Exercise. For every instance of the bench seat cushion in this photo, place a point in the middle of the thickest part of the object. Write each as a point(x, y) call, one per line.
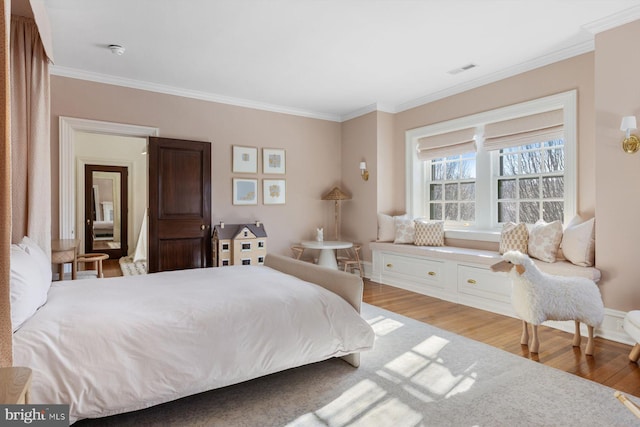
point(477, 256)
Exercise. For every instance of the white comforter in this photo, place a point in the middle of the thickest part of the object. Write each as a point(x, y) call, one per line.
point(107, 346)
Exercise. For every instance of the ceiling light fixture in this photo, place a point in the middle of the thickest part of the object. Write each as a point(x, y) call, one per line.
point(116, 49)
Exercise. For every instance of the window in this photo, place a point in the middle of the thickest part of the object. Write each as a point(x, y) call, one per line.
point(225, 247)
point(452, 188)
point(261, 244)
point(521, 168)
point(246, 246)
point(530, 182)
point(246, 261)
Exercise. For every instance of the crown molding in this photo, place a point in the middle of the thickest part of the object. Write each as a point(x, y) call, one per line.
point(170, 90)
point(538, 62)
point(623, 17)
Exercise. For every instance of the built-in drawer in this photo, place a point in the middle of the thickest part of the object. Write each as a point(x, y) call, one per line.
point(420, 269)
point(484, 283)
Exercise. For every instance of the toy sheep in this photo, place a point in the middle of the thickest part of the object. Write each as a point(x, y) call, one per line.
point(537, 296)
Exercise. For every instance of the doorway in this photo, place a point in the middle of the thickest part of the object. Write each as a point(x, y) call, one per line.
point(106, 210)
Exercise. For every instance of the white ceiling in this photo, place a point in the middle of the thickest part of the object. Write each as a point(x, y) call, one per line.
point(331, 59)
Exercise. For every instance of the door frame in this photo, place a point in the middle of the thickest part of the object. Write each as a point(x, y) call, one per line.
point(124, 209)
point(68, 126)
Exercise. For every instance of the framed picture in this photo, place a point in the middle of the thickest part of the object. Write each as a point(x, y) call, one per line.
point(274, 191)
point(245, 191)
point(273, 161)
point(245, 159)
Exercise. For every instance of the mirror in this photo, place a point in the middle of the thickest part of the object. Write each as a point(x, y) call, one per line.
point(105, 202)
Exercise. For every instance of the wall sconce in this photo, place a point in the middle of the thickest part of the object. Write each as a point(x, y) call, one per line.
point(631, 143)
point(364, 173)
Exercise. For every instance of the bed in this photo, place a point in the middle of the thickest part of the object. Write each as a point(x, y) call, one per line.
point(107, 346)
point(103, 230)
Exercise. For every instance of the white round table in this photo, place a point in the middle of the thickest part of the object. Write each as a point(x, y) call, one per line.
point(327, 251)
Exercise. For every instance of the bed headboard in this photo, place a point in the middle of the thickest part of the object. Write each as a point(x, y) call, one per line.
point(348, 286)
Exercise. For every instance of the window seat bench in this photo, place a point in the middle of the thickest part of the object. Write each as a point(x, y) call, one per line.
point(460, 275)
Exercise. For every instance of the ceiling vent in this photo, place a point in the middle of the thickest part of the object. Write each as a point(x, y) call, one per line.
point(461, 69)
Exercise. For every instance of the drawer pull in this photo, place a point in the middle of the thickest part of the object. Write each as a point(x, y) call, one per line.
point(471, 281)
point(389, 265)
point(432, 273)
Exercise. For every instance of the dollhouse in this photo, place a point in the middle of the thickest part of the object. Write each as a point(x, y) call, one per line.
point(239, 244)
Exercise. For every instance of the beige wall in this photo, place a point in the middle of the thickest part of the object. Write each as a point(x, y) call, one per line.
point(313, 150)
point(617, 89)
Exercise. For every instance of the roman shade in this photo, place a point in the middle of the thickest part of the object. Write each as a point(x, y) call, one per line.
point(446, 144)
point(524, 130)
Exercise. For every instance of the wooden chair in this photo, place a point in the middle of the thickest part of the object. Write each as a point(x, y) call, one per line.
point(297, 251)
point(95, 259)
point(351, 259)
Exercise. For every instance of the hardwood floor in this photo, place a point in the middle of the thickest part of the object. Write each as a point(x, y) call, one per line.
point(609, 366)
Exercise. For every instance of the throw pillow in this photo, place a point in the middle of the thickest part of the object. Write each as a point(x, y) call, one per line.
point(514, 237)
point(578, 242)
point(386, 228)
point(429, 233)
point(40, 259)
point(404, 229)
point(27, 291)
point(544, 240)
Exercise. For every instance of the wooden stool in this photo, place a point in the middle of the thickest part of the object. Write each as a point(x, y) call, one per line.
point(631, 326)
point(96, 259)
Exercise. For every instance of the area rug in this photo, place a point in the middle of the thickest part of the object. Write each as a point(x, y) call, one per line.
point(417, 375)
point(130, 268)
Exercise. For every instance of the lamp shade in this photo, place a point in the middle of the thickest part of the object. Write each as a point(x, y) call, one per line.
point(628, 122)
point(336, 194)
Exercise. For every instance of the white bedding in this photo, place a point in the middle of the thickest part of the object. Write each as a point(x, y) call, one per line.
point(107, 346)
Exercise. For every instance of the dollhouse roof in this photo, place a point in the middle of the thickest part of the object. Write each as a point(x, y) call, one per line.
point(231, 231)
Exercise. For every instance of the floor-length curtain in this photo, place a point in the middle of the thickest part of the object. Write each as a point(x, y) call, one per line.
point(6, 335)
point(30, 140)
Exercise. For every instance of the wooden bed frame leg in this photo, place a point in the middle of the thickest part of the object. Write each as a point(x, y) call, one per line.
point(535, 342)
point(524, 339)
point(577, 337)
point(591, 345)
point(635, 353)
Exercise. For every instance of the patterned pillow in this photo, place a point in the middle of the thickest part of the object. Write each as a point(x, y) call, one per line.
point(544, 240)
point(514, 237)
point(404, 229)
point(578, 242)
point(429, 233)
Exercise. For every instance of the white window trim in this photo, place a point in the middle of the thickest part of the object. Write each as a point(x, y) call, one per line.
point(484, 228)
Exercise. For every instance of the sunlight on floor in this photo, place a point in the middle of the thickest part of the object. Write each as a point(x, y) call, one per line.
point(420, 372)
point(383, 326)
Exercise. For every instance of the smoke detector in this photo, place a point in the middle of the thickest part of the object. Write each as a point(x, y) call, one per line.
point(116, 49)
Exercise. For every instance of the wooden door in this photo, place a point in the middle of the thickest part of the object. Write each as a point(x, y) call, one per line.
point(106, 210)
point(179, 204)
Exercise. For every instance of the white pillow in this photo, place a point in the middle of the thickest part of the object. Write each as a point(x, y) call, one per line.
point(41, 260)
point(544, 240)
point(386, 228)
point(578, 242)
point(404, 229)
point(28, 292)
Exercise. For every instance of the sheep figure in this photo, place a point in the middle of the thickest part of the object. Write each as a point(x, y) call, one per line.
point(537, 296)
